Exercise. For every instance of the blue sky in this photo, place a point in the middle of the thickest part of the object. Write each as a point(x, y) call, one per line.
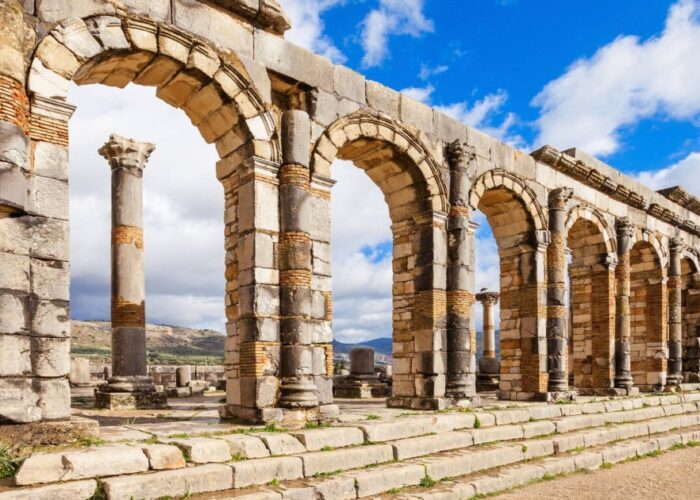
point(619, 79)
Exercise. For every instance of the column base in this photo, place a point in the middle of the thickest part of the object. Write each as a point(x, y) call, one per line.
point(548, 397)
point(609, 391)
point(285, 417)
point(432, 404)
point(25, 437)
point(487, 382)
point(131, 400)
point(360, 389)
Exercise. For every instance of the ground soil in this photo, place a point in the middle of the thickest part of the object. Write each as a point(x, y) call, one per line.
point(672, 475)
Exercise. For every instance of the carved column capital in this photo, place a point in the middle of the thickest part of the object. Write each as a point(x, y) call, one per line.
point(559, 197)
point(624, 227)
point(460, 155)
point(121, 152)
point(676, 246)
point(488, 298)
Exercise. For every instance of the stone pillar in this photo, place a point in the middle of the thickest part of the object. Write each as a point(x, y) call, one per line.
point(362, 383)
point(297, 388)
point(127, 159)
point(623, 360)
point(675, 313)
point(362, 362)
point(489, 368)
point(557, 333)
point(461, 354)
point(183, 376)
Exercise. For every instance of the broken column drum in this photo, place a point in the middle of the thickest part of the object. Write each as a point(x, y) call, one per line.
point(363, 382)
point(130, 385)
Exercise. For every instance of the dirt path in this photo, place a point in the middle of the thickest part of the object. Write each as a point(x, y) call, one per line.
point(672, 476)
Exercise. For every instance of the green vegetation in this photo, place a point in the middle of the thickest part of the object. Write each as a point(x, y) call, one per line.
point(477, 423)
point(427, 482)
point(373, 417)
point(8, 464)
point(606, 465)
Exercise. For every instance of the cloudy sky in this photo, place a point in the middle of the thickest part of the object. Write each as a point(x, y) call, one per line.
point(616, 79)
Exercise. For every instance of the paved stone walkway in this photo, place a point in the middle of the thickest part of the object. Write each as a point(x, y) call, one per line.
point(670, 476)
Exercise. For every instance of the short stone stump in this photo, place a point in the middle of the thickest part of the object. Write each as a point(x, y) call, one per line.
point(17, 437)
point(131, 400)
point(361, 389)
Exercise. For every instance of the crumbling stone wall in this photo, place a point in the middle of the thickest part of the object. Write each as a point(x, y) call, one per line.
point(228, 67)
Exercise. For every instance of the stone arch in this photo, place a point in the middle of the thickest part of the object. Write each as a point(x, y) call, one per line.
point(391, 155)
point(519, 227)
point(690, 315)
point(216, 92)
point(649, 312)
point(409, 177)
point(591, 299)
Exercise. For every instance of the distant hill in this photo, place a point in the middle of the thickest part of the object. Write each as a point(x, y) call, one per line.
point(166, 344)
point(380, 346)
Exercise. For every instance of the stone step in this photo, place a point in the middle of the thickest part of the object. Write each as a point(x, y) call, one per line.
point(477, 485)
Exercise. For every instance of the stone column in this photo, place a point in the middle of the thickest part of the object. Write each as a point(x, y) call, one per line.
point(489, 368)
point(362, 382)
point(675, 327)
point(127, 159)
point(623, 360)
point(461, 354)
point(556, 292)
point(297, 388)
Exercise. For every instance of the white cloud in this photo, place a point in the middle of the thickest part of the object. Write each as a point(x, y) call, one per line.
point(391, 17)
point(307, 26)
point(626, 81)
point(428, 71)
point(684, 173)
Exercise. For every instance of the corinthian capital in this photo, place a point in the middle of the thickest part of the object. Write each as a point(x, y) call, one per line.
point(624, 227)
point(559, 197)
point(126, 153)
point(677, 246)
point(460, 155)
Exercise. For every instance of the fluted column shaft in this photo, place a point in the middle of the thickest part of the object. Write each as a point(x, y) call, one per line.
point(127, 159)
point(623, 358)
point(675, 311)
point(297, 383)
point(557, 336)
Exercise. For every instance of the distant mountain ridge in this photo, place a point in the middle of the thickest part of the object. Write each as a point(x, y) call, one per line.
point(380, 346)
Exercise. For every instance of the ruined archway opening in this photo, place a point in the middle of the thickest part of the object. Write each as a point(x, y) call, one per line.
point(649, 317)
point(690, 320)
point(514, 231)
point(591, 303)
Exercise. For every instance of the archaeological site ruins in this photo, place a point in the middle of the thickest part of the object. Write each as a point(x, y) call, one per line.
point(599, 299)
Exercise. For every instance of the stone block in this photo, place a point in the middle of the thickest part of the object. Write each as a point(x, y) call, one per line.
point(57, 10)
point(50, 318)
point(51, 161)
point(535, 429)
point(345, 459)
point(416, 114)
point(265, 470)
point(245, 446)
point(510, 478)
point(48, 197)
point(41, 468)
point(13, 189)
point(14, 145)
point(172, 483)
point(157, 10)
point(337, 488)
point(73, 489)
point(281, 444)
point(427, 445)
point(537, 448)
point(349, 84)
point(105, 461)
point(13, 235)
point(54, 398)
point(50, 356)
point(382, 479)
point(202, 450)
point(50, 280)
point(14, 272)
point(50, 238)
point(383, 99)
point(450, 464)
point(214, 25)
point(498, 433)
point(288, 59)
point(332, 437)
point(397, 429)
point(18, 401)
point(164, 457)
point(13, 314)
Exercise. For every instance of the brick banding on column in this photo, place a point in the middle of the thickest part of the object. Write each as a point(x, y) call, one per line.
point(14, 104)
point(127, 314)
point(128, 235)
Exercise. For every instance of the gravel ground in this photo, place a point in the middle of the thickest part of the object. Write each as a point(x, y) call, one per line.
point(672, 476)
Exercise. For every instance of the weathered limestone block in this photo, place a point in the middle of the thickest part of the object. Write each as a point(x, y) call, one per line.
point(344, 459)
point(383, 99)
point(51, 161)
point(50, 318)
point(245, 446)
point(426, 445)
point(14, 355)
point(48, 197)
point(74, 34)
point(50, 238)
point(13, 314)
point(281, 444)
point(50, 356)
point(164, 457)
point(204, 450)
point(13, 237)
point(104, 461)
point(46, 83)
point(14, 145)
point(57, 10)
point(50, 280)
point(335, 437)
point(13, 189)
point(157, 10)
point(214, 25)
point(337, 488)
point(174, 483)
point(41, 468)
point(265, 470)
point(79, 375)
point(381, 479)
point(18, 401)
point(54, 397)
point(12, 41)
point(73, 489)
point(14, 272)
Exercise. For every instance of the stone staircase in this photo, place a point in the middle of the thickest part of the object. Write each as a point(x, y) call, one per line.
point(428, 455)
